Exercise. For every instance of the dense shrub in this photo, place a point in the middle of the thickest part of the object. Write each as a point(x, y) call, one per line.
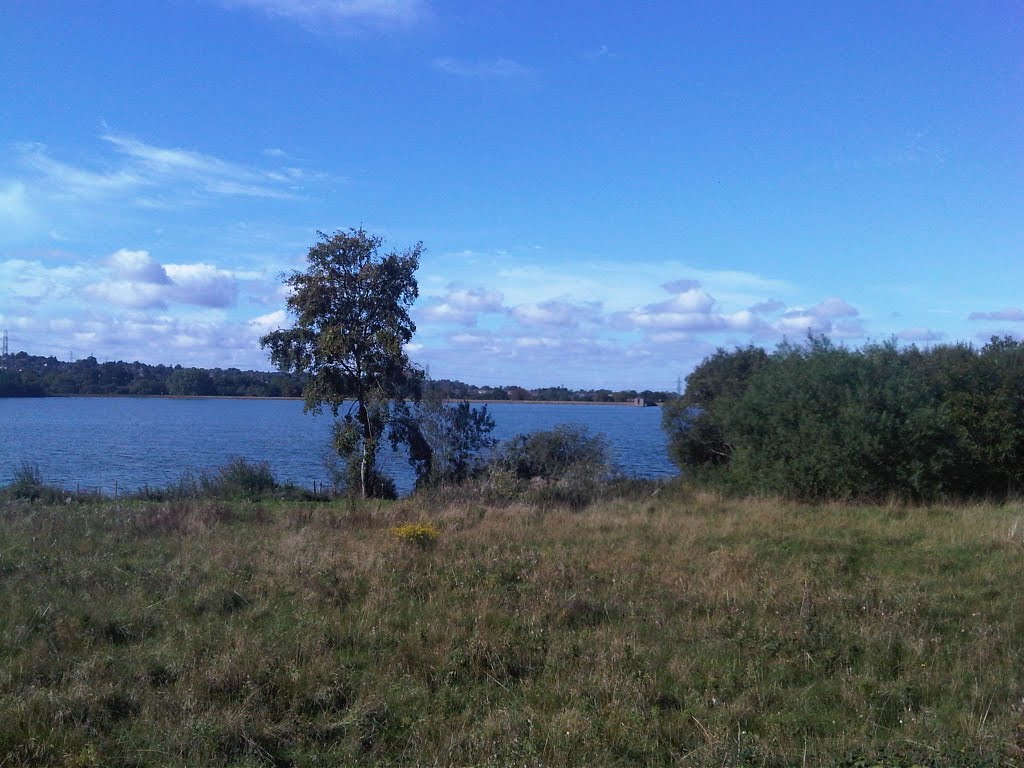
point(551, 454)
point(26, 481)
point(239, 479)
point(565, 465)
point(819, 421)
point(27, 484)
point(448, 443)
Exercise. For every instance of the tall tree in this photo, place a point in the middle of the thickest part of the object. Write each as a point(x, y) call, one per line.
point(351, 310)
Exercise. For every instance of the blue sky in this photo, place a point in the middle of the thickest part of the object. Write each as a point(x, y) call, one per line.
point(607, 191)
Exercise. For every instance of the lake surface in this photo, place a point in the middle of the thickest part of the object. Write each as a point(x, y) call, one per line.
point(84, 442)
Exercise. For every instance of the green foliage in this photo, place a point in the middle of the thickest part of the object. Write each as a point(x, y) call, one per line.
point(27, 484)
point(239, 479)
point(351, 309)
point(696, 440)
point(344, 462)
point(14, 384)
point(448, 442)
point(550, 454)
point(817, 421)
point(565, 465)
point(191, 382)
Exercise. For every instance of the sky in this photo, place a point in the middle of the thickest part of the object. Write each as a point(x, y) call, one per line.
point(606, 191)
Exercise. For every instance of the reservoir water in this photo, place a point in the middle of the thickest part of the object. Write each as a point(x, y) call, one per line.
point(135, 442)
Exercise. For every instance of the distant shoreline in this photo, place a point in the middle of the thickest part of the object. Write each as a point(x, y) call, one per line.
point(268, 397)
point(544, 402)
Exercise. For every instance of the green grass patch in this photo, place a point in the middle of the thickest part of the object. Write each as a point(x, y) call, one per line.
point(666, 630)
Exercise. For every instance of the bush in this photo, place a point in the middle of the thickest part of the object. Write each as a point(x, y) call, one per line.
point(238, 479)
point(565, 465)
point(27, 484)
point(423, 535)
point(448, 442)
point(552, 454)
point(817, 421)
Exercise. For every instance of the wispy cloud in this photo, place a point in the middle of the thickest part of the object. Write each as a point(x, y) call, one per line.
point(70, 181)
point(500, 68)
point(338, 15)
point(206, 172)
point(148, 176)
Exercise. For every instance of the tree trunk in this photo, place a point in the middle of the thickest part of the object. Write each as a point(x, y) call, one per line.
point(364, 464)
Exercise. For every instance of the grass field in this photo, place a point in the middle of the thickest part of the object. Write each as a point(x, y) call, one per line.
point(674, 629)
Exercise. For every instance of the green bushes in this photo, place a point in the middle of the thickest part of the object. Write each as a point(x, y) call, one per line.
point(818, 421)
point(565, 465)
point(239, 479)
point(448, 443)
point(27, 485)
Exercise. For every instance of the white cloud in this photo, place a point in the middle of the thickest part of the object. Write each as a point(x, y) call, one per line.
point(692, 300)
point(694, 322)
point(481, 68)
point(767, 307)
point(136, 280)
point(470, 338)
point(557, 312)
point(272, 321)
point(693, 310)
point(202, 285)
point(138, 266)
point(461, 305)
point(69, 182)
point(680, 286)
point(30, 281)
point(126, 293)
point(802, 324)
point(833, 307)
point(538, 341)
point(1013, 315)
point(207, 172)
point(832, 316)
point(669, 337)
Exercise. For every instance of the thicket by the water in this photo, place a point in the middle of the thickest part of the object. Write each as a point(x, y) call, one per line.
point(821, 421)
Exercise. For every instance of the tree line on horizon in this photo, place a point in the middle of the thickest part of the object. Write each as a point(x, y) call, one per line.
point(28, 375)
